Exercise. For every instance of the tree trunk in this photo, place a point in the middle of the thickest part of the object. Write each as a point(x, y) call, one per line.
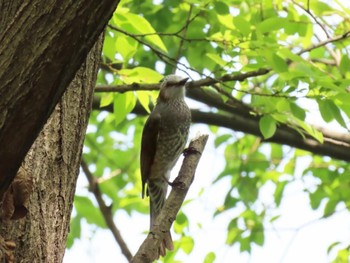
point(42, 45)
point(54, 161)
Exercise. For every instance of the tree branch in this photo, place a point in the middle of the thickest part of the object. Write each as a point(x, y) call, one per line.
point(106, 211)
point(148, 252)
point(335, 144)
point(192, 84)
point(325, 42)
point(283, 135)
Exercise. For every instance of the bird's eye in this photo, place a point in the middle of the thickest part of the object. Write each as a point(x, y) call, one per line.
point(170, 84)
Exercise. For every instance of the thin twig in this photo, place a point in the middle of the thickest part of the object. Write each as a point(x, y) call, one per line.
point(106, 211)
point(330, 50)
point(164, 57)
point(325, 42)
point(308, 11)
point(184, 31)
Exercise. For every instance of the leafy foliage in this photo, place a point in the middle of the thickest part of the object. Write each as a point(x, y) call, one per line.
point(303, 48)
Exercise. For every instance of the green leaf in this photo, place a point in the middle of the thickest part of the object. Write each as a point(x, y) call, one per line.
point(320, 8)
point(126, 46)
point(230, 201)
point(221, 8)
point(187, 244)
point(221, 139)
point(137, 24)
point(140, 75)
point(325, 110)
point(245, 244)
point(267, 126)
point(242, 25)
point(74, 232)
point(276, 153)
point(312, 131)
point(316, 197)
point(86, 209)
point(123, 104)
point(330, 111)
point(226, 21)
point(257, 235)
point(144, 99)
point(217, 59)
point(109, 48)
point(233, 235)
point(330, 207)
point(209, 258)
point(278, 194)
point(344, 64)
point(271, 24)
point(288, 54)
point(274, 218)
point(343, 256)
point(180, 223)
point(279, 64)
point(106, 99)
point(331, 246)
point(297, 111)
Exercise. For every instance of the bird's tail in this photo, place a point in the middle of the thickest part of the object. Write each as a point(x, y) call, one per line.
point(157, 190)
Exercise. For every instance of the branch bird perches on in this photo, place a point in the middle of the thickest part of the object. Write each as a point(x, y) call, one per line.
point(148, 251)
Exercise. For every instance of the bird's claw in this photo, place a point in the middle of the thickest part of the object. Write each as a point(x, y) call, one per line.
point(191, 150)
point(175, 183)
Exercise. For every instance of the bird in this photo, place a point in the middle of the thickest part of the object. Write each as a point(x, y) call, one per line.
point(164, 138)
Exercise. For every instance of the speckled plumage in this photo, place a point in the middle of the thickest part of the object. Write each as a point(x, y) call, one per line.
point(163, 140)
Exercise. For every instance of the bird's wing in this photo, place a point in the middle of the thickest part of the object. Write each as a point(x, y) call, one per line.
point(148, 147)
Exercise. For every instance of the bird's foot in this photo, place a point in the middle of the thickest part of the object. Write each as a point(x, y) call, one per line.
point(167, 181)
point(190, 150)
point(175, 183)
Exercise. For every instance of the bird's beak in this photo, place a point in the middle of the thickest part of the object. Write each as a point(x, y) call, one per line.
point(182, 82)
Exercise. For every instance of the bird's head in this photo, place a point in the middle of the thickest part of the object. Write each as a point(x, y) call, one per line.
point(172, 87)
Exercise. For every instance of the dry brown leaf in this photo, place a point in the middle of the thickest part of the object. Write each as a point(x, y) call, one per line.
point(17, 195)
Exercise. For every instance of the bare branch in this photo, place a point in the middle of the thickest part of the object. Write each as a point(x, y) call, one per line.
point(106, 211)
point(192, 84)
point(148, 251)
point(285, 135)
point(336, 144)
point(327, 41)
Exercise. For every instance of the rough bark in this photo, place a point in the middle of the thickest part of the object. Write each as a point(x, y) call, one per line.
point(54, 161)
point(42, 45)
